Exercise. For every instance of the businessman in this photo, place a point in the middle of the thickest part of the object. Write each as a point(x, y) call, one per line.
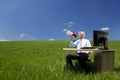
point(81, 56)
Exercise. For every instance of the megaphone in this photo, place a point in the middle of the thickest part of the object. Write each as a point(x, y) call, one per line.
point(70, 33)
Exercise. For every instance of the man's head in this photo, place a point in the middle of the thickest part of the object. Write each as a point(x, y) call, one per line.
point(81, 34)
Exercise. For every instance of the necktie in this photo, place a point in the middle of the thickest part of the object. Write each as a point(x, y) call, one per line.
point(80, 43)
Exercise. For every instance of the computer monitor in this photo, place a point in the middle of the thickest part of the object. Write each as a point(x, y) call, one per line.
point(100, 38)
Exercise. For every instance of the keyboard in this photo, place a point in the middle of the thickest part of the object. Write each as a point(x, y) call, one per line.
point(88, 47)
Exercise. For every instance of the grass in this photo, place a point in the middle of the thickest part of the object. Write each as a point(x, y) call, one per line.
point(44, 60)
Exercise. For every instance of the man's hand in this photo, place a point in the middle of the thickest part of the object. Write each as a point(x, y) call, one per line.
point(72, 38)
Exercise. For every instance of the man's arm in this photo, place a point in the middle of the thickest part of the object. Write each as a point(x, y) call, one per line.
point(72, 43)
point(88, 44)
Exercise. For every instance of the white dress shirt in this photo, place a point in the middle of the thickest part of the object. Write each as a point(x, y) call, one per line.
point(81, 43)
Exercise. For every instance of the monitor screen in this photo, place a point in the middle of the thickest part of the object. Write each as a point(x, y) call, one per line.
point(100, 38)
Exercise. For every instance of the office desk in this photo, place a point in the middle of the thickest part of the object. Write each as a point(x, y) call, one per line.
point(103, 59)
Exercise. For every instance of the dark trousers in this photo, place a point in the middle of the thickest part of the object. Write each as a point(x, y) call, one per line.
point(81, 57)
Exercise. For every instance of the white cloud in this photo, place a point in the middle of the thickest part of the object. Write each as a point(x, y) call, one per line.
point(51, 39)
point(69, 24)
point(22, 35)
point(25, 36)
point(105, 28)
point(64, 30)
point(4, 40)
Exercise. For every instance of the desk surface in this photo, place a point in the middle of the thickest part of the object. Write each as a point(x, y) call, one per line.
point(75, 49)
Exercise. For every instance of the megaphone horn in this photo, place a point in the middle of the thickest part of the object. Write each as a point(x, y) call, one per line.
point(70, 33)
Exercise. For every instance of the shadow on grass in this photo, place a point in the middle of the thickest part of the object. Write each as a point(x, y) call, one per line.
point(117, 69)
point(77, 68)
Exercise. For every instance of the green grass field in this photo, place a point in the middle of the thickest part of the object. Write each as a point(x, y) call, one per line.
point(45, 60)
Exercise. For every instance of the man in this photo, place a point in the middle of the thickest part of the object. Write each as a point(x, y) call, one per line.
point(81, 56)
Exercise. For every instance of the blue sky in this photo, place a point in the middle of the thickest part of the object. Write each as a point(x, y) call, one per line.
point(46, 19)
